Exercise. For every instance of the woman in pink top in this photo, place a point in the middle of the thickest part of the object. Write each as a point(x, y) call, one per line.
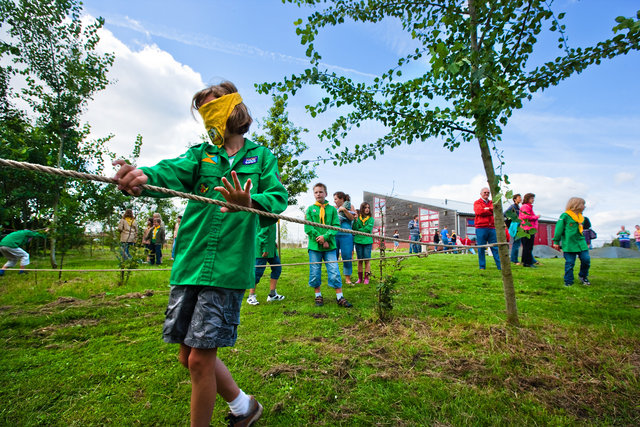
point(636, 235)
point(529, 222)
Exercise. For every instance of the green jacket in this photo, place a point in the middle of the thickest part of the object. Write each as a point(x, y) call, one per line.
point(215, 248)
point(568, 232)
point(19, 238)
point(266, 241)
point(367, 227)
point(330, 218)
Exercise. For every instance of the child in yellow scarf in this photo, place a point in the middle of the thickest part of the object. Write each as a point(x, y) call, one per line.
point(569, 237)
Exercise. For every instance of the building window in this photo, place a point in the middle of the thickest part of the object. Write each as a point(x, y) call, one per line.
point(429, 223)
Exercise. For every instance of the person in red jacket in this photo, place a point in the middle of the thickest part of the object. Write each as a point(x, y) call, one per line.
point(485, 228)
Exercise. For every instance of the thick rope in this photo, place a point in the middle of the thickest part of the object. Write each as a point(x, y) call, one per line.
point(100, 178)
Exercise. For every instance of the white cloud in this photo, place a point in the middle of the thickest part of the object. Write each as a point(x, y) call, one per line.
point(623, 177)
point(150, 95)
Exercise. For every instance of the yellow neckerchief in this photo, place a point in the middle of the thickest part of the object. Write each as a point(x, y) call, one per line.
point(155, 230)
point(365, 219)
point(215, 115)
point(576, 217)
point(322, 205)
point(129, 220)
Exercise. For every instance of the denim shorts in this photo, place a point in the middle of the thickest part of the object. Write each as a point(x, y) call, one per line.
point(202, 316)
point(363, 251)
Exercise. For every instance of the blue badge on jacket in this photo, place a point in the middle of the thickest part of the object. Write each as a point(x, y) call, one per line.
point(250, 160)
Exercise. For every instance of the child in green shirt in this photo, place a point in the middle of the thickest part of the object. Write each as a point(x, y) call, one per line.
point(364, 223)
point(322, 246)
point(569, 232)
point(214, 262)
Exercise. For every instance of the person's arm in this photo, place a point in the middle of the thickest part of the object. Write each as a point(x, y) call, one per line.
point(557, 236)
point(481, 208)
point(271, 196)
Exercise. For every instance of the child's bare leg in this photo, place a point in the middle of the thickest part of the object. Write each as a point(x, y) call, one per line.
point(227, 387)
point(202, 367)
point(367, 267)
point(360, 264)
point(272, 284)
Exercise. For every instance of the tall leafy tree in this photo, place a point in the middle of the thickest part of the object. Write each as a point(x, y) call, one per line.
point(54, 50)
point(282, 137)
point(477, 71)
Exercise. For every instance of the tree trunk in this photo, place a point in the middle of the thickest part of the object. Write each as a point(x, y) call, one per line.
point(480, 128)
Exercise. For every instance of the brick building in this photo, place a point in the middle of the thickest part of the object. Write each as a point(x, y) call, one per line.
point(434, 214)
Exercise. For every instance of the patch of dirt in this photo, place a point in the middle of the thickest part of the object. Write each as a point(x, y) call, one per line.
point(49, 330)
point(290, 313)
point(283, 369)
point(146, 294)
point(319, 315)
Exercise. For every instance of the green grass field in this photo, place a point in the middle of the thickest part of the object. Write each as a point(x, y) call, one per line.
point(86, 351)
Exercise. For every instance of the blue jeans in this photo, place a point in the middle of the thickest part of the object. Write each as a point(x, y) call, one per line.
point(414, 248)
point(344, 247)
point(483, 237)
point(125, 250)
point(261, 264)
point(173, 249)
point(514, 250)
point(625, 244)
point(315, 270)
point(638, 244)
point(570, 262)
point(156, 254)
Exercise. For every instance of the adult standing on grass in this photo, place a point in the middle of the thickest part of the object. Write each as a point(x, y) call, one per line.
point(636, 236)
point(266, 253)
point(146, 238)
point(344, 241)
point(624, 237)
point(157, 241)
point(436, 239)
point(512, 221)
point(529, 223)
point(10, 248)
point(364, 223)
point(485, 228)
point(569, 236)
point(128, 229)
point(322, 246)
point(414, 235)
point(216, 246)
point(444, 236)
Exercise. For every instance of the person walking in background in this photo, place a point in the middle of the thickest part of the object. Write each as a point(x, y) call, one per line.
point(128, 233)
point(569, 236)
point(157, 240)
point(344, 241)
point(453, 241)
point(444, 236)
point(10, 248)
point(512, 221)
point(176, 228)
point(396, 235)
point(146, 238)
point(414, 235)
point(467, 242)
point(485, 228)
point(636, 236)
point(588, 232)
point(216, 245)
point(266, 253)
point(529, 223)
point(364, 223)
point(436, 239)
point(322, 246)
point(624, 237)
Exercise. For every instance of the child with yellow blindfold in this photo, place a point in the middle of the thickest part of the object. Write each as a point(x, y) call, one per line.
point(569, 232)
point(215, 255)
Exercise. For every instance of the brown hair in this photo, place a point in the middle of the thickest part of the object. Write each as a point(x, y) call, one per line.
point(515, 196)
point(574, 204)
point(364, 205)
point(319, 184)
point(128, 214)
point(240, 119)
point(342, 196)
point(527, 197)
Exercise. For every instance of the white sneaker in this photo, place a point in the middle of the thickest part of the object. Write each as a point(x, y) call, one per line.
point(276, 297)
point(252, 300)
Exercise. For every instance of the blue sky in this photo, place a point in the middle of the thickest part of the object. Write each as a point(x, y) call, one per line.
point(576, 139)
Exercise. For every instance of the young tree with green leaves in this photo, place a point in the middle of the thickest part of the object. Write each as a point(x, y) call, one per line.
point(283, 139)
point(477, 71)
point(54, 51)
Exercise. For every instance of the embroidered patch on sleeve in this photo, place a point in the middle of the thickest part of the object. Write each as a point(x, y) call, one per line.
point(203, 189)
point(250, 160)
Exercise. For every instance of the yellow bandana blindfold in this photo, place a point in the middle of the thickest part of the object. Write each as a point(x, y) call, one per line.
point(215, 115)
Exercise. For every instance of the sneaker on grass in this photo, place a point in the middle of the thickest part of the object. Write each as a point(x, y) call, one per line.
point(342, 302)
point(252, 299)
point(319, 301)
point(276, 297)
point(585, 281)
point(255, 412)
